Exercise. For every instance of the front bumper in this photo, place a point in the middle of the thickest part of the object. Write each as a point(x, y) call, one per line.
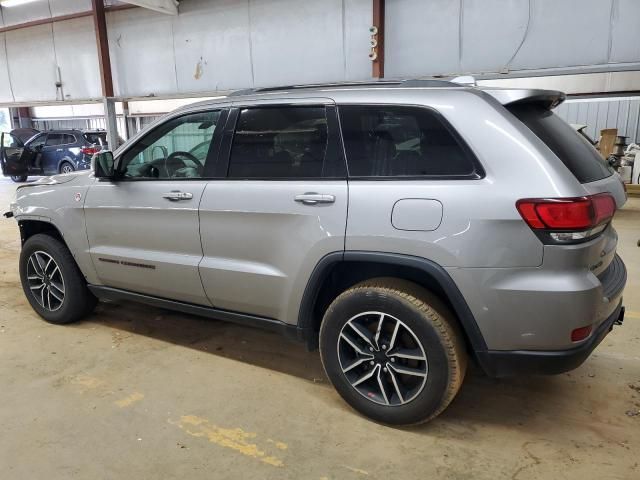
point(499, 363)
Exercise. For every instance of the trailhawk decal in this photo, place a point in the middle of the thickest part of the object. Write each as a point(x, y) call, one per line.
point(126, 263)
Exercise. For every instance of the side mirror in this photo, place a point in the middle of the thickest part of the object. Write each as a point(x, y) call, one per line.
point(102, 164)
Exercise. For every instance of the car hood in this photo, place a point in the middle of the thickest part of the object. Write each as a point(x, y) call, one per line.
point(77, 177)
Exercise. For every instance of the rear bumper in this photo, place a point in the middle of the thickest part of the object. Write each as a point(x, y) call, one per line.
point(529, 362)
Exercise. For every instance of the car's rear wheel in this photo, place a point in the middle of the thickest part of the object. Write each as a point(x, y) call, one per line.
point(19, 178)
point(393, 351)
point(52, 282)
point(66, 167)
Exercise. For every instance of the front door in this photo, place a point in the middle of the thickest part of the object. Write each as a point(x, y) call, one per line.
point(143, 227)
point(14, 156)
point(280, 209)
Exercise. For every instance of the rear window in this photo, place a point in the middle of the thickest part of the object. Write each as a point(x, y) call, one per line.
point(401, 141)
point(97, 138)
point(569, 146)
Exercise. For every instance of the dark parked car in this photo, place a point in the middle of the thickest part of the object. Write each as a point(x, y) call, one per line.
point(49, 153)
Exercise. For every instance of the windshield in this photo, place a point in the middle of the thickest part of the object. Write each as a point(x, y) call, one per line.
point(576, 153)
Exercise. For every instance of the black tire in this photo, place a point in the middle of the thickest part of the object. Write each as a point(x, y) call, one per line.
point(424, 319)
point(77, 301)
point(19, 178)
point(66, 167)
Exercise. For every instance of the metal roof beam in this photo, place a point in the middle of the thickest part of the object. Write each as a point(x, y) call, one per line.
point(170, 7)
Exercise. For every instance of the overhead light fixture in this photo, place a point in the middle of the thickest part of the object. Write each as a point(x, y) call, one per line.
point(15, 3)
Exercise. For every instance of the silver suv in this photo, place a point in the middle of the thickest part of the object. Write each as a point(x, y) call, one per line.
point(401, 227)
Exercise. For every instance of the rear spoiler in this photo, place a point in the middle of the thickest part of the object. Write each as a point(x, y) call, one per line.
point(510, 96)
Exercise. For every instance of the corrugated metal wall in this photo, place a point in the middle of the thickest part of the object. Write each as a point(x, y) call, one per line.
point(217, 45)
point(600, 113)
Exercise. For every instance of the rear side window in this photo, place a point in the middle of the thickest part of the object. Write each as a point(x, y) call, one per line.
point(401, 141)
point(569, 146)
point(279, 142)
point(59, 139)
point(53, 139)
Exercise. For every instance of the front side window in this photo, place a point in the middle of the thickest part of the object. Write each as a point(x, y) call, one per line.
point(400, 141)
point(279, 142)
point(38, 141)
point(176, 149)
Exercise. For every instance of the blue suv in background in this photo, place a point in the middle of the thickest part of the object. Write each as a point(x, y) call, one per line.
point(50, 152)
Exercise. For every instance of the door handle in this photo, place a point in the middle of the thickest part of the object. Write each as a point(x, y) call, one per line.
point(312, 198)
point(177, 195)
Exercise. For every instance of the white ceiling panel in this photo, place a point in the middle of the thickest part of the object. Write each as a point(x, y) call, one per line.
point(32, 65)
point(295, 41)
point(566, 33)
point(142, 56)
point(6, 89)
point(488, 42)
point(212, 45)
point(358, 16)
point(422, 37)
point(625, 41)
point(76, 53)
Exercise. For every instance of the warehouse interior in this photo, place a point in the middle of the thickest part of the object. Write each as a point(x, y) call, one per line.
point(142, 391)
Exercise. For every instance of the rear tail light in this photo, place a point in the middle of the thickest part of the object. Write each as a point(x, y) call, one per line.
point(90, 150)
point(568, 220)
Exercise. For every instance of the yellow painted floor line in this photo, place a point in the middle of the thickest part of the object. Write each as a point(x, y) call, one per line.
point(129, 400)
point(232, 438)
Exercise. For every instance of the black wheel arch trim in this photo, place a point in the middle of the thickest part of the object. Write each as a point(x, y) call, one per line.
point(434, 270)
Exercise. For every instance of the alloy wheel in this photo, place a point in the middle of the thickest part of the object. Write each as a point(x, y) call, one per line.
point(382, 358)
point(66, 168)
point(45, 281)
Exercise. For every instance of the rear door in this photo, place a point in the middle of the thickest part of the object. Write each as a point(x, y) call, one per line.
point(279, 206)
point(14, 156)
point(51, 153)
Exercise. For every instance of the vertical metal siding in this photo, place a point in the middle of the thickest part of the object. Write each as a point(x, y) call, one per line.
point(597, 114)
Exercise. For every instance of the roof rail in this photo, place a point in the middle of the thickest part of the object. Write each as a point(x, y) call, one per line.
point(378, 83)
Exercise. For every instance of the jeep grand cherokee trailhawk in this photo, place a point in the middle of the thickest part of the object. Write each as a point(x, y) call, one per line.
point(401, 227)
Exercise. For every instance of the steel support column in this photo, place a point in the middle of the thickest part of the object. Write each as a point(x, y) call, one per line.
point(102, 42)
point(104, 60)
point(112, 122)
point(377, 64)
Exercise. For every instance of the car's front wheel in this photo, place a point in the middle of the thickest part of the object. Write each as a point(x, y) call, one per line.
point(19, 178)
point(52, 282)
point(393, 351)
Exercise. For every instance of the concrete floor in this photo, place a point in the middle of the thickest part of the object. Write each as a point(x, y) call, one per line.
point(138, 392)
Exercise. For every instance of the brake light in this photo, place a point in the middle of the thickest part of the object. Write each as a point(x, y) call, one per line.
point(568, 219)
point(90, 150)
